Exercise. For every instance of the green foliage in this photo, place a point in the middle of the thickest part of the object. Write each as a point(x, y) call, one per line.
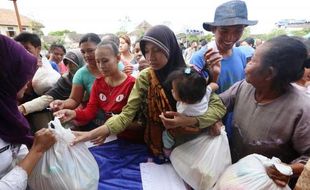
point(59, 33)
point(246, 33)
point(301, 33)
point(124, 22)
point(120, 33)
point(36, 28)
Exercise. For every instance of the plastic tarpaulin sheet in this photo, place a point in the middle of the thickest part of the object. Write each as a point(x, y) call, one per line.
point(119, 164)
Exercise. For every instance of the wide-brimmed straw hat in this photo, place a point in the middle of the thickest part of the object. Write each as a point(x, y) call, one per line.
point(230, 13)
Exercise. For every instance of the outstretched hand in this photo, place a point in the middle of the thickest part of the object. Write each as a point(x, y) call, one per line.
point(65, 115)
point(96, 136)
point(57, 105)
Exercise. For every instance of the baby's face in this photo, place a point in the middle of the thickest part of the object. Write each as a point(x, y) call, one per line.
point(174, 92)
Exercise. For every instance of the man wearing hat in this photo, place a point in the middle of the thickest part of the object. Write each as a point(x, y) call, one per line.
point(230, 19)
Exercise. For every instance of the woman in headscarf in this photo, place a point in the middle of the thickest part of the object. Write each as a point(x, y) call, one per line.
point(17, 68)
point(62, 89)
point(151, 96)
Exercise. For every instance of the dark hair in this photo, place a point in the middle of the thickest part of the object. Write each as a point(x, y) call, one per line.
point(25, 37)
point(110, 44)
point(90, 37)
point(237, 44)
point(54, 46)
point(288, 56)
point(250, 41)
point(203, 42)
point(111, 37)
point(190, 86)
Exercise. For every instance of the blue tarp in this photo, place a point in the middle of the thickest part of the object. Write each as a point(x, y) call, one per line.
point(118, 163)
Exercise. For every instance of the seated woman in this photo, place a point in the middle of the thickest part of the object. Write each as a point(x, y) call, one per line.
point(14, 128)
point(84, 78)
point(109, 93)
point(271, 117)
point(151, 96)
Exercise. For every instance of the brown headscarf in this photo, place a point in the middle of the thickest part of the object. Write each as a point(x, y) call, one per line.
point(160, 98)
point(165, 39)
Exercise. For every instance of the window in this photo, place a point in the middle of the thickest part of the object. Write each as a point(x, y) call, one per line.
point(11, 32)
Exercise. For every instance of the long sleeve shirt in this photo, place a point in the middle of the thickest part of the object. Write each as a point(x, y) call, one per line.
point(110, 99)
point(136, 101)
point(279, 128)
point(12, 177)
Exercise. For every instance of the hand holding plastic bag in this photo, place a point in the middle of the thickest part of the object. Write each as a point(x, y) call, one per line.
point(249, 173)
point(201, 161)
point(65, 167)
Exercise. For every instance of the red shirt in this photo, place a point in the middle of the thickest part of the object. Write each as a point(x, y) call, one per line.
point(109, 99)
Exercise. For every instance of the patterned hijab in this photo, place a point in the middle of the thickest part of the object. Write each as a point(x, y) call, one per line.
point(17, 67)
point(159, 98)
point(165, 39)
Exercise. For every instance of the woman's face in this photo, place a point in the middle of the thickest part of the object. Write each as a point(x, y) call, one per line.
point(155, 56)
point(57, 55)
point(254, 73)
point(88, 52)
point(72, 67)
point(137, 52)
point(123, 46)
point(107, 62)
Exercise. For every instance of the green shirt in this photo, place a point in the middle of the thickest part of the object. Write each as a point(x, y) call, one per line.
point(118, 123)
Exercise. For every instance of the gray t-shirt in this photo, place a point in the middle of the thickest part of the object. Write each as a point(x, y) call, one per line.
point(279, 128)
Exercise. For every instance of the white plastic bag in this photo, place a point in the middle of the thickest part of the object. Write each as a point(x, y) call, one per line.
point(201, 161)
point(249, 173)
point(65, 167)
point(44, 78)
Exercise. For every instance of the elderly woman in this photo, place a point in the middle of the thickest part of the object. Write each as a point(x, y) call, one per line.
point(14, 128)
point(271, 117)
point(151, 96)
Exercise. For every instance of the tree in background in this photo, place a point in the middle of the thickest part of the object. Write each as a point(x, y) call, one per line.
point(124, 22)
point(37, 28)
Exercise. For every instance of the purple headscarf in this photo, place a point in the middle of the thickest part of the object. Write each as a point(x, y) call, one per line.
point(17, 67)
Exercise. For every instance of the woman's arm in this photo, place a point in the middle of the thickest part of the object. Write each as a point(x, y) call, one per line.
point(118, 123)
point(214, 113)
point(16, 179)
point(76, 97)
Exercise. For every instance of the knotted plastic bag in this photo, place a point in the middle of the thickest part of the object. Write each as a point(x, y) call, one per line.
point(65, 167)
point(44, 79)
point(249, 173)
point(201, 161)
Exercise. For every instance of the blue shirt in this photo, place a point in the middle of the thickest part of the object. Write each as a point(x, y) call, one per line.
point(55, 66)
point(232, 67)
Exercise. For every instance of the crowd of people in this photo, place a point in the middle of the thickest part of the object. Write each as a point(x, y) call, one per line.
point(159, 95)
